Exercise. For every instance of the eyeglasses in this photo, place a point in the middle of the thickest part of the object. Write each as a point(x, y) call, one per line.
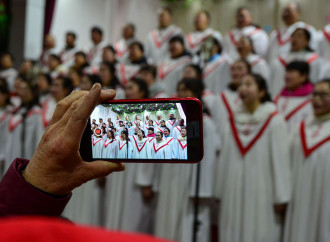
point(322, 95)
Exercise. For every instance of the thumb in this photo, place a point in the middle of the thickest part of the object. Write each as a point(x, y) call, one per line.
point(98, 169)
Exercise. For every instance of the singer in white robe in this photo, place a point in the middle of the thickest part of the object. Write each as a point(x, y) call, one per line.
point(110, 148)
point(140, 147)
point(308, 213)
point(97, 146)
point(324, 44)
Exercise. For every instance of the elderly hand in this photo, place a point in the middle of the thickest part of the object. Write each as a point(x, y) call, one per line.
point(56, 166)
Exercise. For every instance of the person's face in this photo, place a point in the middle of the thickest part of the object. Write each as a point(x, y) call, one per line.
point(298, 40)
point(93, 120)
point(26, 66)
point(147, 118)
point(108, 55)
point(85, 83)
point(294, 79)
point(109, 120)
point(150, 131)
point(159, 117)
point(183, 132)
point(74, 76)
point(164, 19)
point(171, 116)
point(121, 124)
point(53, 63)
point(150, 123)
point(238, 70)
point(128, 32)
point(133, 91)
point(49, 42)
point(321, 99)
point(123, 135)
point(166, 133)
point(57, 90)
point(147, 77)
point(244, 45)
point(181, 122)
point(69, 39)
point(243, 18)
point(189, 72)
point(42, 83)
point(201, 21)
point(3, 99)
point(96, 37)
point(79, 60)
point(139, 134)
point(158, 137)
point(6, 62)
point(24, 92)
point(105, 74)
point(136, 117)
point(109, 135)
point(135, 53)
point(248, 90)
point(162, 123)
point(290, 14)
point(176, 49)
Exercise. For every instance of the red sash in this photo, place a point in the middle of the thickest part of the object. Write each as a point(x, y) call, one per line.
point(94, 143)
point(279, 39)
point(164, 39)
point(138, 146)
point(212, 68)
point(182, 146)
point(193, 45)
point(13, 125)
point(156, 150)
point(163, 73)
point(106, 144)
point(122, 145)
point(118, 51)
point(172, 122)
point(326, 34)
point(307, 150)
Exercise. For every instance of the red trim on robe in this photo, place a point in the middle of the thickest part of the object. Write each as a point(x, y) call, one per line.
point(279, 38)
point(225, 101)
point(283, 62)
point(151, 139)
point(164, 39)
point(118, 51)
point(307, 150)
point(163, 73)
point(296, 109)
point(94, 143)
point(182, 146)
point(171, 123)
point(326, 34)
point(210, 70)
point(106, 144)
point(156, 150)
point(122, 146)
point(138, 146)
point(243, 149)
point(12, 125)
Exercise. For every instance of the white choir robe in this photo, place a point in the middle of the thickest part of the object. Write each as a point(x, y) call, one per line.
point(324, 45)
point(171, 124)
point(182, 148)
point(67, 56)
point(4, 131)
point(170, 72)
point(294, 109)
point(34, 129)
point(252, 175)
point(137, 121)
point(307, 217)
point(95, 53)
point(258, 36)
point(279, 64)
point(125, 72)
point(48, 108)
point(156, 46)
point(130, 130)
point(194, 40)
point(216, 74)
point(176, 132)
point(207, 166)
point(110, 149)
point(123, 151)
point(121, 48)
point(9, 75)
point(159, 150)
point(140, 148)
point(146, 129)
point(157, 124)
point(280, 40)
point(172, 146)
point(159, 129)
point(157, 90)
point(97, 147)
point(119, 129)
point(325, 74)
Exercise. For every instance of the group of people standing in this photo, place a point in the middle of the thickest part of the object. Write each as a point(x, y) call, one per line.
point(266, 115)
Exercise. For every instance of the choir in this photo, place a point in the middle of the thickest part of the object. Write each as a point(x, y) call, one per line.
point(265, 174)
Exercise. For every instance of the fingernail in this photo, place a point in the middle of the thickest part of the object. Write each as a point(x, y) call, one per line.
point(94, 87)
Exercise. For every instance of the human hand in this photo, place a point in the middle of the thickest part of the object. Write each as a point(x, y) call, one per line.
point(56, 166)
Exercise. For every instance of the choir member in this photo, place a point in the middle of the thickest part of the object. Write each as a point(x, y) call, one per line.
point(121, 47)
point(194, 40)
point(110, 148)
point(294, 100)
point(67, 54)
point(55, 66)
point(26, 125)
point(27, 68)
point(97, 143)
point(137, 122)
point(109, 124)
point(148, 73)
point(258, 64)
point(149, 125)
point(161, 127)
point(140, 146)
point(170, 70)
point(130, 128)
point(151, 134)
point(48, 49)
point(158, 148)
point(157, 122)
point(44, 82)
point(109, 54)
point(114, 130)
point(136, 88)
point(245, 27)
point(171, 143)
point(81, 61)
point(182, 145)
point(216, 73)
point(171, 123)
point(308, 216)
point(95, 52)
point(136, 61)
point(177, 130)
point(158, 39)
point(120, 127)
point(324, 45)
point(7, 70)
point(88, 80)
point(124, 146)
point(110, 80)
point(5, 110)
point(300, 51)
point(146, 121)
point(253, 167)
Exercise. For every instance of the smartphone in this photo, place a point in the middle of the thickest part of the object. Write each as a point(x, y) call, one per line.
point(162, 130)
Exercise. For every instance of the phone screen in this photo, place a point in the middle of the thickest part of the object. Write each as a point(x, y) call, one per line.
point(155, 130)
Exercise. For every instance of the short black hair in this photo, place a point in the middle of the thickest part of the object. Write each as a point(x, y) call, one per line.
point(167, 129)
point(143, 87)
point(73, 34)
point(151, 128)
point(132, 26)
point(97, 29)
point(195, 85)
point(67, 83)
point(301, 66)
point(56, 57)
point(9, 54)
point(197, 69)
point(262, 86)
point(150, 69)
point(308, 37)
point(47, 77)
point(110, 47)
point(138, 44)
point(177, 38)
point(94, 78)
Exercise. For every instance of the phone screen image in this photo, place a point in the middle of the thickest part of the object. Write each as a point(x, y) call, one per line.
point(142, 131)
